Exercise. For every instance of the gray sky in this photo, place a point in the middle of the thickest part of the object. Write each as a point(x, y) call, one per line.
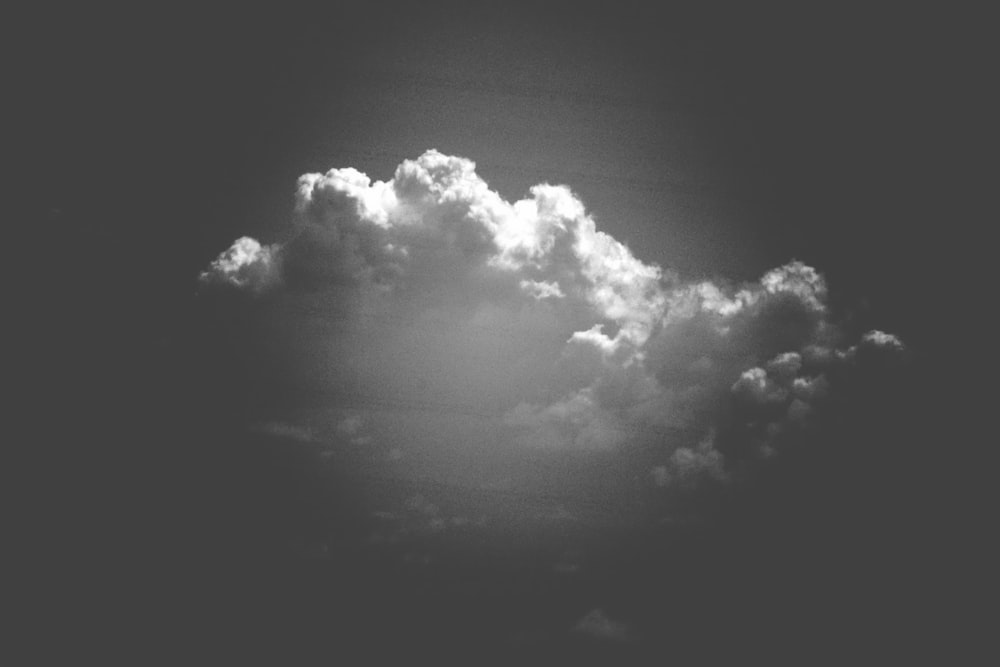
point(722, 315)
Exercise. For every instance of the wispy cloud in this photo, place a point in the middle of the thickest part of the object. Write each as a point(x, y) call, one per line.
point(597, 624)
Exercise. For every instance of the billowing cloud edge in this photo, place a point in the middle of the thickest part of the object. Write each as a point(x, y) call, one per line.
point(647, 355)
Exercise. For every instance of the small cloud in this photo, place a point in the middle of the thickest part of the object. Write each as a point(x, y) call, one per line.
point(541, 289)
point(246, 264)
point(568, 563)
point(688, 466)
point(785, 366)
point(799, 279)
point(350, 425)
point(756, 385)
point(880, 339)
point(599, 625)
point(810, 388)
point(688, 463)
point(420, 505)
point(352, 428)
point(285, 431)
point(820, 354)
point(557, 513)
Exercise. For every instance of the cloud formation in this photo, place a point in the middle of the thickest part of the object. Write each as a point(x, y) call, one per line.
point(442, 293)
point(246, 264)
point(597, 624)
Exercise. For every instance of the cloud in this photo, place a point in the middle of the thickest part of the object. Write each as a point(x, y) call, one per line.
point(352, 429)
point(577, 421)
point(690, 462)
point(286, 430)
point(246, 264)
point(689, 467)
point(759, 387)
point(597, 624)
point(541, 289)
point(417, 517)
point(880, 339)
point(350, 425)
point(785, 365)
point(430, 292)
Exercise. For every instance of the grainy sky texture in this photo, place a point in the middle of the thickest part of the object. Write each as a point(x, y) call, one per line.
point(540, 332)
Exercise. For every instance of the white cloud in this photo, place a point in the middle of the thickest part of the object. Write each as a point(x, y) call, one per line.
point(541, 289)
point(758, 386)
point(429, 289)
point(799, 279)
point(246, 264)
point(785, 365)
point(881, 339)
point(810, 388)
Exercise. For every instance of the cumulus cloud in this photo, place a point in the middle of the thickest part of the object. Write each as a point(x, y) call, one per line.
point(541, 289)
point(881, 339)
point(246, 264)
point(435, 291)
point(758, 386)
point(689, 465)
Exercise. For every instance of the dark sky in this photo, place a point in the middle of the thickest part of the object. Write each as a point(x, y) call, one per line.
point(718, 143)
